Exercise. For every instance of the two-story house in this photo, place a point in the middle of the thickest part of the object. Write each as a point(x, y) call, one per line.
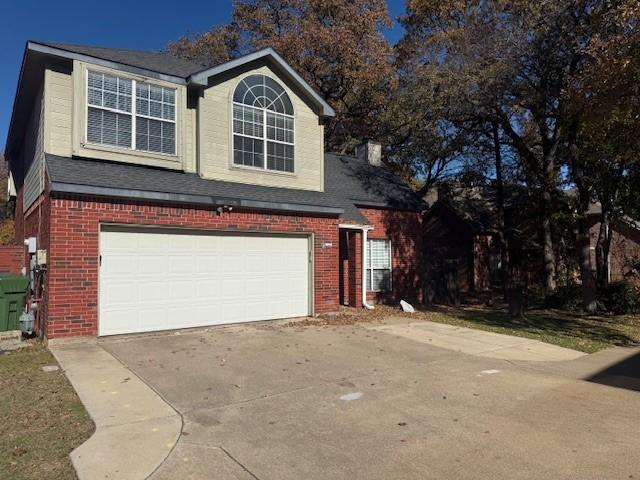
point(163, 194)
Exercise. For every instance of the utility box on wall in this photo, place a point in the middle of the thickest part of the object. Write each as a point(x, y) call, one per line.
point(41, 257)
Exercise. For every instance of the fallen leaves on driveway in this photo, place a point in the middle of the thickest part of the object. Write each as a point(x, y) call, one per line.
point(349, 316)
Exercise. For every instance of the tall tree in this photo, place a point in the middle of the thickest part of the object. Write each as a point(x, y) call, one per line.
point(604, 99)
point(515, 61)
point(338, 46)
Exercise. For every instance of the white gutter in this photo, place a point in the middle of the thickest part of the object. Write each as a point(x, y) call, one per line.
point(365, 229)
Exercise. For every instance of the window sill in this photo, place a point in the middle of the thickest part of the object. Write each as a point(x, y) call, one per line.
point(127, 151)
point(263, 170)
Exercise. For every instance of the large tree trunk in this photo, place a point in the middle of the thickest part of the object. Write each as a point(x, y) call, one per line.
point(586, 273)
point(603, 246)
point(502, 238)
point(584, 242)
point(542, 170)
point(547, 243)
point(548, 185)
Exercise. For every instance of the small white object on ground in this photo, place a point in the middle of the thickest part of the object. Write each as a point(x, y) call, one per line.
point(488, 372)
point(349, 397)
point(50, 368)
point(407, 307)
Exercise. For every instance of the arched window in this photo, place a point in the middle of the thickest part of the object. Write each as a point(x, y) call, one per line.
point(262, 125)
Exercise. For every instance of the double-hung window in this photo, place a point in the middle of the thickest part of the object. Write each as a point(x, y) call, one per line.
point(131, 114)
point(262, 125)
point(378, 265)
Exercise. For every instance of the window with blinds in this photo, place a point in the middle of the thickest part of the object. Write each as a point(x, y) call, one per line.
point(130, 114)
point(378, 265)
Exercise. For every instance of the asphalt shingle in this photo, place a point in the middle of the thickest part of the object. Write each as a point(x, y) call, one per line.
point(161, 62)
point(77, 171)
point(362, 184)
point(349, 183)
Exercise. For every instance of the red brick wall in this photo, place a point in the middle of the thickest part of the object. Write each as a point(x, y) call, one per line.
point(354, 247)
point(404, 229)
point(73, 251)
point(12, 259)
point(351, 267)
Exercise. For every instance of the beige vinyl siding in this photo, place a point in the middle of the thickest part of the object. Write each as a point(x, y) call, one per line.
point(189, 147)
point(216, 147)
point(58, 88)
point(65, 120)
point(33, 154)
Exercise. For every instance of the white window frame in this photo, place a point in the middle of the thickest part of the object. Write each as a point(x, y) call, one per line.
point(264, 133)
point(133, 114)
point(370, 269)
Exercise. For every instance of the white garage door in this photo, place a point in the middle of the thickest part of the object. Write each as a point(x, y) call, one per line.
point(161, 279)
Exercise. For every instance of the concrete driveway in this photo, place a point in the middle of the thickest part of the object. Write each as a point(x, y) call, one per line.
point(267, 401)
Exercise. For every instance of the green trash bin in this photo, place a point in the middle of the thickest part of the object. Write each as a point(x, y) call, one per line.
point(13, 292)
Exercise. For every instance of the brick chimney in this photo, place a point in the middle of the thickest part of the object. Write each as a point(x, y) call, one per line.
point(370, 152)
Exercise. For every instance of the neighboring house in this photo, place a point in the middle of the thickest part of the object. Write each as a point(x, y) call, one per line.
point(624, 252)
point(461, 238)
point(170, 195)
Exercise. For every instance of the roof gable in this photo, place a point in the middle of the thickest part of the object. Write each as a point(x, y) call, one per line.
point(282, 68)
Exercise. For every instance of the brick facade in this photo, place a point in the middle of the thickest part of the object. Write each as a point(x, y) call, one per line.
point(72, 283)
point(12, 259)
point(68, 227)
point(351, 268)
point(404, 229)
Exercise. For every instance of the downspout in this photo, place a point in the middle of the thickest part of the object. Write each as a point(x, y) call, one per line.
point(364, 268)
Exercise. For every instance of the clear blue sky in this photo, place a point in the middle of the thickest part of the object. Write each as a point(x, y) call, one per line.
point(118, 23)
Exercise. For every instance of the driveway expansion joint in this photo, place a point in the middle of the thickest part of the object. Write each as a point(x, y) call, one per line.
point(239, 463)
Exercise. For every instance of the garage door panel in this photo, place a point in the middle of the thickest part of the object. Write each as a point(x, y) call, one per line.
point(207, 263)
point(121, 294)
point(152, 291)
point(152, 279)
point(149, 264)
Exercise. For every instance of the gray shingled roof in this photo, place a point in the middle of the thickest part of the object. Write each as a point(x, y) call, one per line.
point(348, 183)
point(364, 184)
point(128, 181)
point(160, 62)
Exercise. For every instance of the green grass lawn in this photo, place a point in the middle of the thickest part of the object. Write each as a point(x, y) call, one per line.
point(587, 333)
point(42, 419)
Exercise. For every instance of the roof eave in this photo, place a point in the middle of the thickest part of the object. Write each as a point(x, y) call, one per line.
point(201, 79)
point(8, 145)
point(62, 53)
point(387, 206)
point(192, 199)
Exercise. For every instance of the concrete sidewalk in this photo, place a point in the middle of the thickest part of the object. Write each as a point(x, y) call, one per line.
point(135, 429)
point(478, 342)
